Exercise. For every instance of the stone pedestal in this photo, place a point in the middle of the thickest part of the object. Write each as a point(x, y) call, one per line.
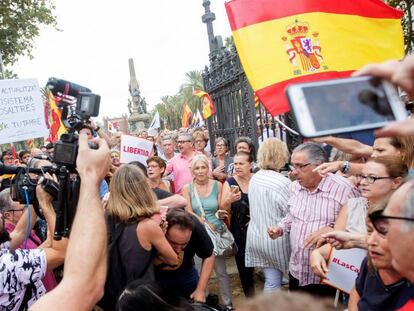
point(138, 121)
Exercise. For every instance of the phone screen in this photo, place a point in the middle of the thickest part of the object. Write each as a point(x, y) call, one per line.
point(343, 105)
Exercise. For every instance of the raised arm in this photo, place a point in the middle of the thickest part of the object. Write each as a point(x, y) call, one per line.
point(149, 230)
point(18, 235)
point(346, 145)
point(175, 200)
point(85, 263)
point(228, 197)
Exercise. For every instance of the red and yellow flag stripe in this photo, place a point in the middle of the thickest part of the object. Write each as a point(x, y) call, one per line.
point(271, 37)
point(208, 106)
point(185, 120)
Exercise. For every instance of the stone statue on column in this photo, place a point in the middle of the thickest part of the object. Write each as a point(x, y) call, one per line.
point(137, 105)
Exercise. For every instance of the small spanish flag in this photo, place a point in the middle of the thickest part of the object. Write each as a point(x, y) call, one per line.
point(208, 106)
point(57, 127)
point(185, 120)
point(281, 43)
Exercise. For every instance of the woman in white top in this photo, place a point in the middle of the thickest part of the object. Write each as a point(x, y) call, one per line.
point(268, 197)
point(380, 177)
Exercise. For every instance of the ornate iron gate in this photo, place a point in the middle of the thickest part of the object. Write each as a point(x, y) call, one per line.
point(232, 95)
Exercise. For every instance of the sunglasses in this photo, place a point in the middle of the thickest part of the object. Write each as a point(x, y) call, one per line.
point(381, 222)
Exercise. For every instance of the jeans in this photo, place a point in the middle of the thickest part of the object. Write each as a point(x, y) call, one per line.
point(223, 280)
point(273, 279)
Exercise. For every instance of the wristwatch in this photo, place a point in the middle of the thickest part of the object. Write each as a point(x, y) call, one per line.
point(97, 129)
point(345, 167)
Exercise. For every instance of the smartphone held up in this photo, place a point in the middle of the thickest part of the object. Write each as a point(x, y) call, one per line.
point(344, 105)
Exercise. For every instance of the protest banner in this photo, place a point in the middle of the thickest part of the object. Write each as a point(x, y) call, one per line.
point(22, 115)
point(135, 149)
point(343, 268)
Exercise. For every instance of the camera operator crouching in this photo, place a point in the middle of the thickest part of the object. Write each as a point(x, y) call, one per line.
point(21, 270)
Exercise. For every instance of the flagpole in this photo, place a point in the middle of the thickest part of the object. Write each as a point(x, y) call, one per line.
point(287, 127)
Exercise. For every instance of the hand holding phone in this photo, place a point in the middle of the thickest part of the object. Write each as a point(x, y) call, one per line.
point(344, 105)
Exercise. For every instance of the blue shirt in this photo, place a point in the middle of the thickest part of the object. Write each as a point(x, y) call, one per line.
point(103, 189)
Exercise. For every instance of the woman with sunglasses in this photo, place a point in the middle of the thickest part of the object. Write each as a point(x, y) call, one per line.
point(378, 286)
point(381, 176)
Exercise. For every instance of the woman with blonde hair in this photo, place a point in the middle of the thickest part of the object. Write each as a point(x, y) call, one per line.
point(138, 238)
point(268, 197)
point(203, 197)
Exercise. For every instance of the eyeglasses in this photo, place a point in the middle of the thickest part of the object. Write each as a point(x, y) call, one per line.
point(371, 179)
point(220, 145)
point(298, 166)
point(381, 222)
point(16, 210)
point(183, 141)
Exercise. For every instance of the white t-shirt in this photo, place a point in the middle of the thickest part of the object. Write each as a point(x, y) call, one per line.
point(17, 270)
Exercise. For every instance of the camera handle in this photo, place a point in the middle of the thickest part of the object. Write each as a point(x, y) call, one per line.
point(71, 206)
point(61, 211)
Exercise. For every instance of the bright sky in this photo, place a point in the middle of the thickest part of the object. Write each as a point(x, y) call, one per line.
point(166, 39)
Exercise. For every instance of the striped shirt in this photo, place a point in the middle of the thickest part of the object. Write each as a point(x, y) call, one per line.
point(268, 200)
point(309, 212)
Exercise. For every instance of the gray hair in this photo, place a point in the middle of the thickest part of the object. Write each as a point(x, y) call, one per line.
point(5, 200)
point(187, 136)
point(316, 153)
point(168, 137)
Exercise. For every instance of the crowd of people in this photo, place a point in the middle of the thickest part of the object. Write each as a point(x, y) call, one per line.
point(148, 236)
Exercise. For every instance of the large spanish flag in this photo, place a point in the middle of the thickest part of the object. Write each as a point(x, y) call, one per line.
point(283, 42)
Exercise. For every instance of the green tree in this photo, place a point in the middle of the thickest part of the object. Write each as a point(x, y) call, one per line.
point(407, 21)
point(193, 81)
point(171, 106)
point(20, 23)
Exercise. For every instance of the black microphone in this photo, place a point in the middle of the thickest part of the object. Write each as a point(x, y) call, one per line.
point(65, 87)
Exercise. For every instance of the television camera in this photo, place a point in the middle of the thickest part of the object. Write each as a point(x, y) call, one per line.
point(77, 104)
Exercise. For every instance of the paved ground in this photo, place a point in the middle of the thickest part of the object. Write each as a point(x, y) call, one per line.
point(238, 295)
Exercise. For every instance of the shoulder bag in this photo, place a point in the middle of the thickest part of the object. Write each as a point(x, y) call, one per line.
point(222, 238)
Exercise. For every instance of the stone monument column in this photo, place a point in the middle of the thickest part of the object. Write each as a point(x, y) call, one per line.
point(137, 106)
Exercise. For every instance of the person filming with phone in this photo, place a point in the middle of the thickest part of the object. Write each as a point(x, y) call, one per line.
point(235, 200)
